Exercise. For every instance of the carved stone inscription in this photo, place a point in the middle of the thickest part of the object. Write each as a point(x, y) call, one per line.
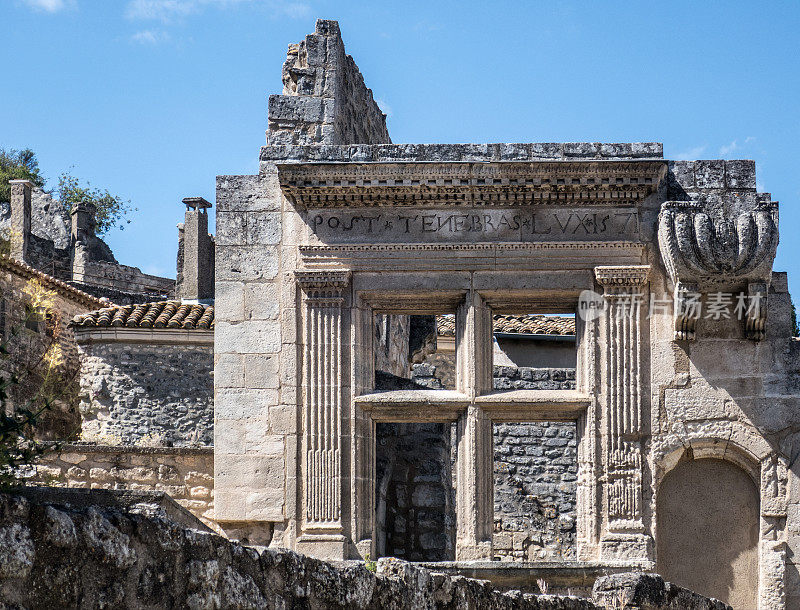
point(426, 225)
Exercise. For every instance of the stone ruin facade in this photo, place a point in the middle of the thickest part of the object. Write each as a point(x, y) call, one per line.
point(340, 226)
point(343, 369)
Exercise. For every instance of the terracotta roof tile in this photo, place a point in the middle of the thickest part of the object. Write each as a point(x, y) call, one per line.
point(161, 314)
point(529, 324)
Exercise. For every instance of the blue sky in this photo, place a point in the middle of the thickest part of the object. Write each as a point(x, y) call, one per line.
point(153, 98)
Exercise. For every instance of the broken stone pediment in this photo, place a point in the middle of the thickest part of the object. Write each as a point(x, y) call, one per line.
point(704, 249)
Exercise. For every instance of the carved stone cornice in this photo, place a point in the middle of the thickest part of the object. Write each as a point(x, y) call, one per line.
point(330, 185)
point(698, 247)
point(622, 275)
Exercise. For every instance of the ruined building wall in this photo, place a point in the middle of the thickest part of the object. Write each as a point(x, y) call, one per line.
point(38, 334)
point(535, 478)
point(85, 261)
point(185, 473)
point(324, 100)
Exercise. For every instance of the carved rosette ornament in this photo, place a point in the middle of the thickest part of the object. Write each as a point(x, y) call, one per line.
point(323, 299)
point(702, 251)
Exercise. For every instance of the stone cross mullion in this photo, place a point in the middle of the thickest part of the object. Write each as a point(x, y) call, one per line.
point(624, 289)
point(475, 474)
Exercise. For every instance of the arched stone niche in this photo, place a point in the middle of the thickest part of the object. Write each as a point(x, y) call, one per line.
point(708, 513)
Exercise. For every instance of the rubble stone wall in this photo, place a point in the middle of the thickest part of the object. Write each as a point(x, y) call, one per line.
point(535, 469)
point(186, 474)
point(158, 394)
point(535, 487)
point(57, 556)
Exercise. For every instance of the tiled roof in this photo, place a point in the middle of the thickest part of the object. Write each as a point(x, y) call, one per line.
point(530, 324)
point(162, 314)
point(48, 281)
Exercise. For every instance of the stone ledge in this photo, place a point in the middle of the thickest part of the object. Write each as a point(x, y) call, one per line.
point(377, 153)
point(152, 502)
point(133, 449)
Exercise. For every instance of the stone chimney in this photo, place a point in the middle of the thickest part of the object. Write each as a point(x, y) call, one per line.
point(196, 279)
point(20, 218)
point(83, 222)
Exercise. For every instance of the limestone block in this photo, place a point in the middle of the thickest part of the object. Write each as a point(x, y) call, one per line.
point(263, 228)
point(709, 174)
point(262, 300)
point(246, 263)
point(261, 371)
point(229, 437)
point(237, 403)
point(229, 301)
point(249, 193)
point(282, 419)
point(249, 337)
point(690, 405)
point(230, 229)
point(740, 174)
point(229, 371)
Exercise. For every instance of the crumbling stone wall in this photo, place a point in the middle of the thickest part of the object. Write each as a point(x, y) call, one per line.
point(61, 556)
point(325, 100)
point(34, 337)
point(185, 473)
point(158, 394)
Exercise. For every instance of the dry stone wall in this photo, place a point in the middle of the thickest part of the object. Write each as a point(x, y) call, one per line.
point(66, 556)
point(186, 474)
point(158, 394)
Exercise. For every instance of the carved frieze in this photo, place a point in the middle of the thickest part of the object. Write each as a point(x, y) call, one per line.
point(702, 250)
point(323, 185)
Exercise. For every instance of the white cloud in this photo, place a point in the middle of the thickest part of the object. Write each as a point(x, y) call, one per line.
point(170, 10)
point(692, 154)
point(385, 107)
point(150, 37)
point(49, 6)
point(726, 150)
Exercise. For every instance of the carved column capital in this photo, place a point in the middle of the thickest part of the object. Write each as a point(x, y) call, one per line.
point(622, 275)
point(313, 279)
point(323, 288)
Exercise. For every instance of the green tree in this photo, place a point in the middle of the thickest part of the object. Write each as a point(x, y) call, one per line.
point(112, 210)
point(18, 165)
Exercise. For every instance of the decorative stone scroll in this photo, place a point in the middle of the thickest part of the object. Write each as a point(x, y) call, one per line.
point(323, 300)
point(625, 294)
point(703, 249)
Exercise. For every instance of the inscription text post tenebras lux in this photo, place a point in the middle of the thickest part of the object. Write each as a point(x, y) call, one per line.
point(475, 224)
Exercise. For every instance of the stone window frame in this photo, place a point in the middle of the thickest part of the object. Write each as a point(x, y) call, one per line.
point(474, 405)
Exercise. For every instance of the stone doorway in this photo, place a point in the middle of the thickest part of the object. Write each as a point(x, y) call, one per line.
point(708, 518)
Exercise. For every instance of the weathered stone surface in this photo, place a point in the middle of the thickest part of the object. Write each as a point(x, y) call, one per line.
point(148, 394)
point(648, 592)
point(372, 230)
